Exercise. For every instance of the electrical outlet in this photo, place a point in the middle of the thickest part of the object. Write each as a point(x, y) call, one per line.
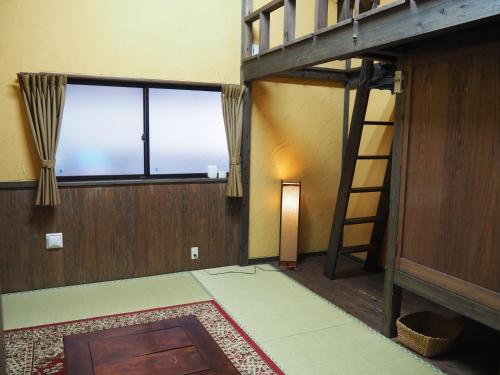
point(194, 253)
point(53, 241)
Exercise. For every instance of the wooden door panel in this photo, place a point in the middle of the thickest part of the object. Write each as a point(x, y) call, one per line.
point(450, 203)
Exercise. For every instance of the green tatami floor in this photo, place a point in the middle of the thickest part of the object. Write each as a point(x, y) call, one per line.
point(85, 301)
point(300, 331)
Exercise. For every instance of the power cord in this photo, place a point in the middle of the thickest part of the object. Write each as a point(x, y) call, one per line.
point(241, 272)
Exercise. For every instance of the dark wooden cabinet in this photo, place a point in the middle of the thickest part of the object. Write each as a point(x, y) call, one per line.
point(449, 210)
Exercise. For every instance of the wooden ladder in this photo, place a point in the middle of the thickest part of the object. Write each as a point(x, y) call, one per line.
point(358, 122)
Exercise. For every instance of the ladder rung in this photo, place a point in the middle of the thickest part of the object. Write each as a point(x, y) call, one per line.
point(363, 220)
point(383, 123)
point(358, 249)
point(373, 157)
point(368, 189)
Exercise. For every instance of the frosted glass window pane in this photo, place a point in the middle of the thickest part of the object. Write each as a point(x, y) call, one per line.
point(101, 131)
point(186, 130)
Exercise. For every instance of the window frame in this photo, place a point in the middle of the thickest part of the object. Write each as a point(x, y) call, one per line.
point(145, 85)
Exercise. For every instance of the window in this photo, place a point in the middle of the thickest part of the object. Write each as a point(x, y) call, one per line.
point(135, 130)
point(186, 131)
point(101, 132)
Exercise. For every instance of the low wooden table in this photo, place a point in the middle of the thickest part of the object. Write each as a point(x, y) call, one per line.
point(175, 346)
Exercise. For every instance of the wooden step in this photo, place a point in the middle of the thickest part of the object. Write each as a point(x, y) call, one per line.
point(373, 157)
point(368, 189)
point(363, 220)
point(358, 249)
point(382, 123)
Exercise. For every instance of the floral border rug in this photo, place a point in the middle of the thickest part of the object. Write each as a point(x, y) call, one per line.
point(39, 350)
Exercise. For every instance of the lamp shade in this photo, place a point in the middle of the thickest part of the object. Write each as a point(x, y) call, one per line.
point(289, 224)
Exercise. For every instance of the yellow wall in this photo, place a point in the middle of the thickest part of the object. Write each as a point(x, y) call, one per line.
point(302, 140)
point(188, 40)
point(296, 128)
point(296, 135)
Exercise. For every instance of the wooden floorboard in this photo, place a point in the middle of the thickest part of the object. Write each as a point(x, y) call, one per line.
point(360, 294)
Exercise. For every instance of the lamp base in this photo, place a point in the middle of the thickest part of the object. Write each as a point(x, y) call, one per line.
point(287, 265)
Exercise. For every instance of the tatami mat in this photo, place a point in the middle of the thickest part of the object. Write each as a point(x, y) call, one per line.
point(84, 301)
point(300, 331)
point(303, 333)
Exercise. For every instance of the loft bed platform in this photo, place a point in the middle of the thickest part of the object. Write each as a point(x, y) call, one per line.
point(367, 31)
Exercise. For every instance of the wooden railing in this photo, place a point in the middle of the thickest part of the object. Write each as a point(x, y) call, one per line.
point(363, 30)
point(348, 12)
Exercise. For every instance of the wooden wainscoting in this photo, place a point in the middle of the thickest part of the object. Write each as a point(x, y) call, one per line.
point(2, 344)
point(116, 232)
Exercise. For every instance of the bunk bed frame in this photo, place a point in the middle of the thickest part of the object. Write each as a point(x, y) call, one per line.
point(363, 30)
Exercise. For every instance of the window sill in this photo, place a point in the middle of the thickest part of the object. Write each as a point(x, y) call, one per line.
point(137, 181)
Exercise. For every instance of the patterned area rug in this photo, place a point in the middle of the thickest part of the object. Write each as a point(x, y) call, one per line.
point(39, 350)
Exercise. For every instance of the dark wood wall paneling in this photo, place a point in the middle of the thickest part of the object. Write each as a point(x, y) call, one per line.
point(2, 345)
point(450, 209)
point(116, 232)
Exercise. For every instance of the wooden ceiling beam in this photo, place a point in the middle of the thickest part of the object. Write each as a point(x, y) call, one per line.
point(318, 74)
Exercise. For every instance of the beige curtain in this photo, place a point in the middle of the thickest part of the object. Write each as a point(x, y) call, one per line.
point(232, 108)
point(44, 96)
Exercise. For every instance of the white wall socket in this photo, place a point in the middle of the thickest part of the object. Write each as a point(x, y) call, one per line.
point(194, 253)
point(53, 240)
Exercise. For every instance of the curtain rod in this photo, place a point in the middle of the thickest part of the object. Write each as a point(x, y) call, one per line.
point(137, 80)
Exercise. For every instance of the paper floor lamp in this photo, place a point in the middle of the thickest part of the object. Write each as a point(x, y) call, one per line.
point(289, 224)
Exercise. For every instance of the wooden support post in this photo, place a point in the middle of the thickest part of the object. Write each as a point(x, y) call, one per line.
point(264, 24)
point(347, 98)
point(289, 24)
point(348, 167)
point(320, 14)
point(392, 293)
point(245, 175)
point(247, 40)
point(246, 29)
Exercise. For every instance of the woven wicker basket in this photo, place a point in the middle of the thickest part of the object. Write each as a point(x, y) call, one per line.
point(427, 333)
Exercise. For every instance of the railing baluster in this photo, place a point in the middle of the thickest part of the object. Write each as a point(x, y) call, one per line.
point(321, 14)
point(246, 29)
point(356, 7)
point(344, 10)
point(264, 21)
point(289, 23)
